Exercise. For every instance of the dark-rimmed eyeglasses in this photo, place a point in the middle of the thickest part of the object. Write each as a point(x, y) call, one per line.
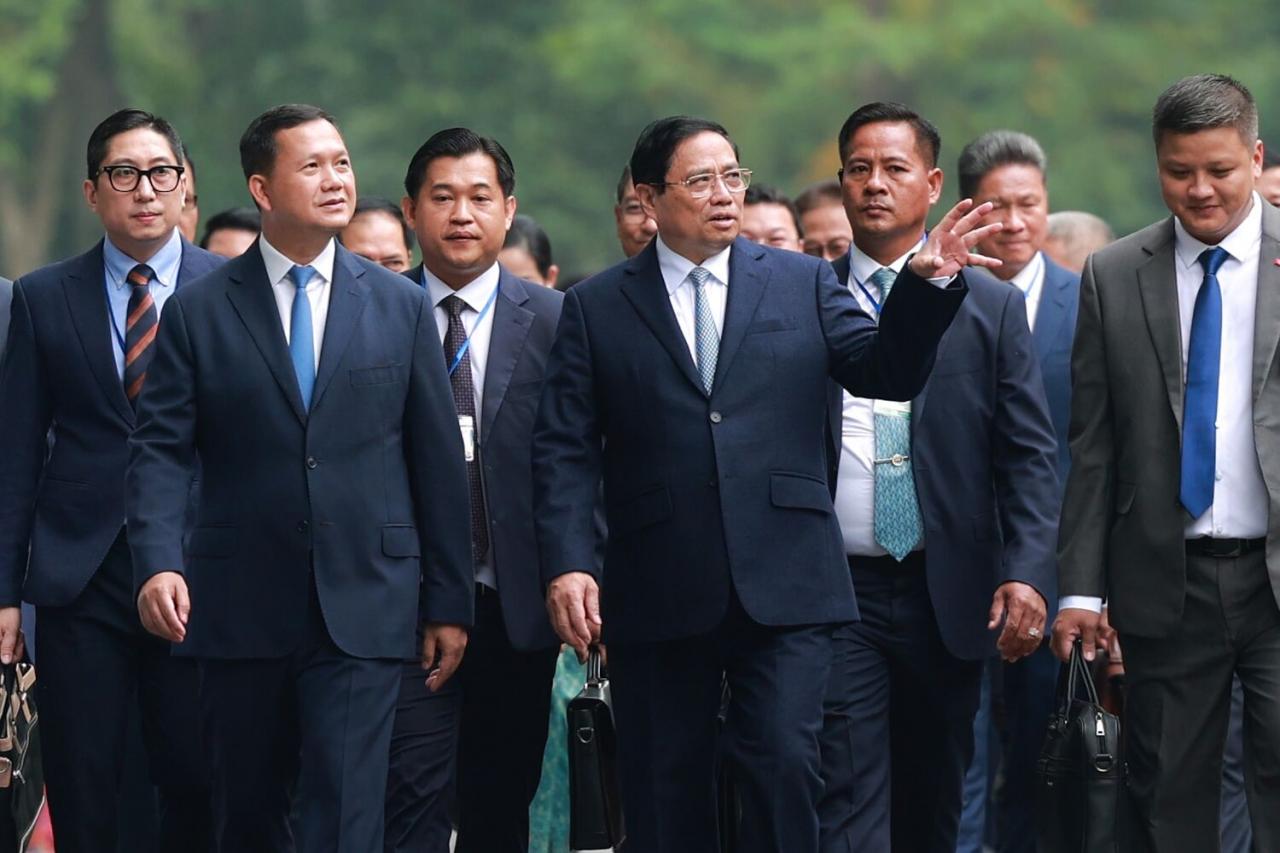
point(124, 179)
point(701, 186)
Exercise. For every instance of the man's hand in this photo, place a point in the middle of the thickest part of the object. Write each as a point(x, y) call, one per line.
point(12, 644)
point(946, 251)
point(1076, 623)
point(447, 643)
point(573, 601)
point(164, 606)
point(1023, 610)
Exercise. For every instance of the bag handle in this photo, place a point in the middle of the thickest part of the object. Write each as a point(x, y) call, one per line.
point(1078, 671)
point(595, 667)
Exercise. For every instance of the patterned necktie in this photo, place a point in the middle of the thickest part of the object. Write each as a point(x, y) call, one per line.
point(1200, 405)
point(141, 323)
point(464, 401)
point(302, 348)
point(706, 338)
point(898, 527)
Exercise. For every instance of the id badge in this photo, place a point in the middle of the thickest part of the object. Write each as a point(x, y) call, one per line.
point(467, 425)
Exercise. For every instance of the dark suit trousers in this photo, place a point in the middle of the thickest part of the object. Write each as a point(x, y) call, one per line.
point(897, 733)
point(298, 746)
point(1030, 692)
point(98, 666)
point(1178, 704)
point(666, 697)
point(487, 729)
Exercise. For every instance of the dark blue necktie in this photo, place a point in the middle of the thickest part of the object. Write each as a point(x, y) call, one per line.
point(1200, 406)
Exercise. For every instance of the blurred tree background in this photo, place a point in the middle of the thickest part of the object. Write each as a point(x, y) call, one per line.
point(567, 85)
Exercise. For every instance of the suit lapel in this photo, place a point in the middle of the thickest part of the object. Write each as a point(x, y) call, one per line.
point(1052, 311)
point(747, 278)
point(1158, 286)
point(85, 289)
point(346, 304)
point(253, 299)
point(511, 324)
point(1266, 329)
point(647, 292)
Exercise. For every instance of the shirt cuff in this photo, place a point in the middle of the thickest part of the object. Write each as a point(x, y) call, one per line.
point(1081, 602)
point(942, 281)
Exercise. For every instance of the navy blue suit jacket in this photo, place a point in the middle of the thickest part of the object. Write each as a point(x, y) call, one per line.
point(64, 499)
point(364, 496)
point(525, 316)
point(707, 493)
point(983, 458)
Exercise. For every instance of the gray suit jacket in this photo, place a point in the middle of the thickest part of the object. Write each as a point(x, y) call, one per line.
point(1122, 528)
point(6, 296)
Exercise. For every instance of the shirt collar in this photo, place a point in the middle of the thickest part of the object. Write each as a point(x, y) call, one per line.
point(675, 268)
point(1240, 243)
point(164, 263)
point(862, 266)
point(1030, 275)
point(278, 265)
point(475, 292)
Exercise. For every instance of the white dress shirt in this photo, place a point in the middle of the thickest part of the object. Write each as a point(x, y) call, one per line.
point(1030, 280)
point(855, 483)
point(476, 294)
point(318, 289)
point(1239, 508)
point(675, 273)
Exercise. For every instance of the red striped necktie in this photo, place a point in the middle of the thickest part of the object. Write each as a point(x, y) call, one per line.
point(139, 331)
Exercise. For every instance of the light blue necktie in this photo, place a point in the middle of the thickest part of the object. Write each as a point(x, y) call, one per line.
point(706, 338)
point(1200, 405)
point(898, 527)
point(302, 348)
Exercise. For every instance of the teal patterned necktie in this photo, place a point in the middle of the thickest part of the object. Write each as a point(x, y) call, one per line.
point(898, 527)
point(706, 338)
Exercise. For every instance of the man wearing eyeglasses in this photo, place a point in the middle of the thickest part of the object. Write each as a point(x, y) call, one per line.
point(635, 227)
point(693, 378)
point(81, 341)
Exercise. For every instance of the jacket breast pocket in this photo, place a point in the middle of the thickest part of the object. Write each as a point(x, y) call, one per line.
point(771, 324)
point(799, 491)
point(516, 390)
point(965, 362)
point(383, 375)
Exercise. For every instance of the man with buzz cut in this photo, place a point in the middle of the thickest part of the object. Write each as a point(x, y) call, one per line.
point(80, 351)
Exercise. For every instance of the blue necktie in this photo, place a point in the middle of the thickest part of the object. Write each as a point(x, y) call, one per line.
point(898, 526)
point(302, 348)
point(706, 338)
point(1200, 405)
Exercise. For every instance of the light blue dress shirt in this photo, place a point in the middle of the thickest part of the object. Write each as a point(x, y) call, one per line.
point(116, 266)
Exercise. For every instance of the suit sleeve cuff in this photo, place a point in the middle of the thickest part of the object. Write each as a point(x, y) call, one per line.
point(1081, 602)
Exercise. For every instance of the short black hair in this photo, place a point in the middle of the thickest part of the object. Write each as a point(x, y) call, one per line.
point(235, 219)
point(928, 140)
point(766, 194)
point(378, 204)
point(458, 142)
point(656, 147)
point(822, 194)
point(624, 182)
point(124, 121)
point(258, 144)
point(527, 234)
point(994, 149)
point(1205, 102)
point(1270, 157)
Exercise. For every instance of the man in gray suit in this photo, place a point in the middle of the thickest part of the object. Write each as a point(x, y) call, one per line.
point(1172, 509)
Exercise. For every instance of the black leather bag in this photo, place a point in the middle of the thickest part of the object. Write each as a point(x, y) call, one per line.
point(595, 803)
point(21, 770)
point(1081, 773)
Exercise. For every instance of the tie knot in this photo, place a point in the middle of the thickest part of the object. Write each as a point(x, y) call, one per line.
point(140, 276)
point(1213, 259)
point(699, 276)
point(454, 305)
point(883, 279)
point(301, 275)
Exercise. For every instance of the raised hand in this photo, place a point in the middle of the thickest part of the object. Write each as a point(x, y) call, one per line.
point(947, 249)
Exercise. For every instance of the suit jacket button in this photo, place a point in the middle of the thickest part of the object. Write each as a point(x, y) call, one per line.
point(303, 526)
point(312, 463)
point(716, 417)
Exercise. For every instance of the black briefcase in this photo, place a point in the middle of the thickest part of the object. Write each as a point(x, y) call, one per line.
point(1081, 773)
point(595, 804)
point(21, 769)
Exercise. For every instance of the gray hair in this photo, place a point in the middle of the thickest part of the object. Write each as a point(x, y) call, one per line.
point(1205, 102)
point(992, 150)
point(1074, 235)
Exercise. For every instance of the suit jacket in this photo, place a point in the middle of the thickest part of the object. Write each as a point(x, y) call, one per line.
point(1055, 330)
point(363, 497)
point(708, 494)
point(1122, 524)
point(63, 500)
point(6, 297)
point(524, 325)
point(983, 452)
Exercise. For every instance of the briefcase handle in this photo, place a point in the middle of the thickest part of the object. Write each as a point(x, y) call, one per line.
point(596, 675)
point(1077, 673)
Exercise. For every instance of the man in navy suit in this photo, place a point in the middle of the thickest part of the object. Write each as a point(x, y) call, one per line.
point(307, 385)
point(693, 379)
point(79, 352)
point(948, 508)
point(489, 725)
point(1007, 169)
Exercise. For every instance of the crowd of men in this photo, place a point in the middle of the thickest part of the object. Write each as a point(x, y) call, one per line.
point(320, 520)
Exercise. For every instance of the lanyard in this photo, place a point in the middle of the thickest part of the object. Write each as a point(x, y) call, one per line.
point(875, 303)
point(466, 345)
